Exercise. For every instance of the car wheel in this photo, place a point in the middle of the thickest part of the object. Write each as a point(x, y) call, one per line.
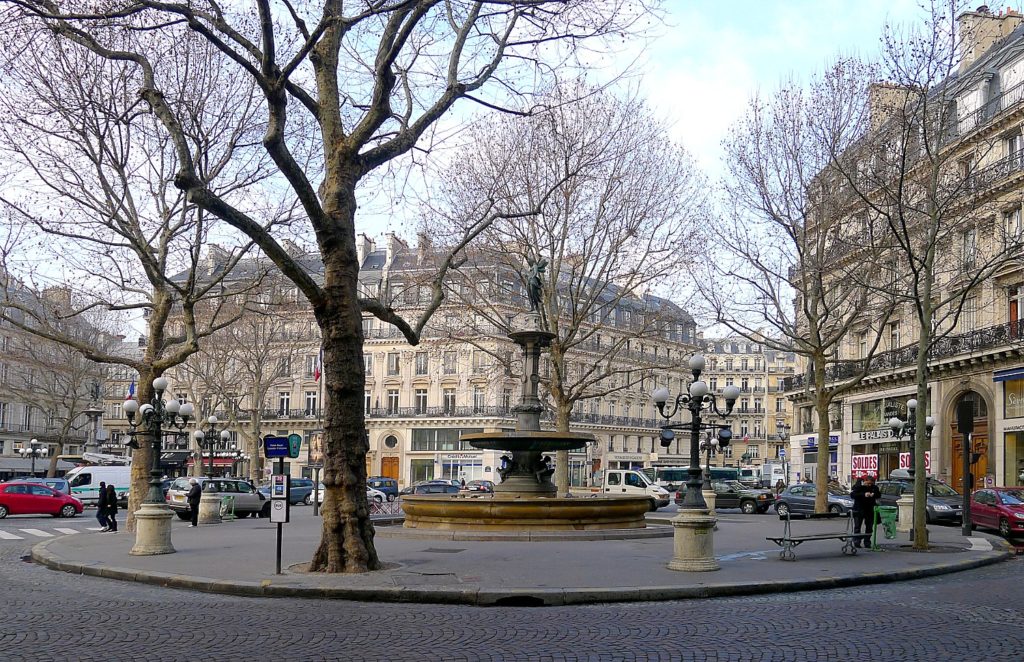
point(1004, 527)
point(835, 510)
point(782, 509)
point(183, 516)
point(68, 511)
point(391, 497)
point(377, 499)
point(308, 500)
point(654, 506)
point(748, 507)
point(265, 511)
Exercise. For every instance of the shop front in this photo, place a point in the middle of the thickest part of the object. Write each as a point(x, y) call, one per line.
point(874, 453)
point(807, 463)
point(1013, 426)
point(626, 460)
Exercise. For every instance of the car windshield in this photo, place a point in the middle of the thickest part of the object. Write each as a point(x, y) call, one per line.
point(1013, 497)
point(941, 490)
point(734, 484)
point(836, 491)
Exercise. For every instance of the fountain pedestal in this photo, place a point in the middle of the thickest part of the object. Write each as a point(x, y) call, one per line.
point(693, 546)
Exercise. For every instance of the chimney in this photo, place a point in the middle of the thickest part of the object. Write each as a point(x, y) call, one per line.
point(395, 246)
point(424, 246)
point(364, 246)
point(884, 100)
point(980, 30)
point(60, 297)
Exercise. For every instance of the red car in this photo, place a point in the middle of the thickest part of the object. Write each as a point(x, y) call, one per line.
point(35, 499)
point(999, 508)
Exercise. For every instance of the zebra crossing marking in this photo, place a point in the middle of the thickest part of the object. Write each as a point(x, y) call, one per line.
point(39, 533)
point(67, 531)
point(6, 535)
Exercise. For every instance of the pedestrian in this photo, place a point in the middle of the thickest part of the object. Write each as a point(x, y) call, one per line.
point(865, 496)
point(112, 508)
point(195, 495)
point(780, 487)
point(463, 483)
point(101, 507)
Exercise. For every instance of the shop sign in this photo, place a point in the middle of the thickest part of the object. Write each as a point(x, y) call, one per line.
point(865, 465)
point(460, 456)
point(811, 442)
point(621, 457)
point(884, 433)
point(907, 463)
point(1016, 427)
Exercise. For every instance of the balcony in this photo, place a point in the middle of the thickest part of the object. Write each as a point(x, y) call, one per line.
point(988, 111)
point(1000, 335)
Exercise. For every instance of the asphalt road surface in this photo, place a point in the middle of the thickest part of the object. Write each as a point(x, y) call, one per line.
point(49, 615)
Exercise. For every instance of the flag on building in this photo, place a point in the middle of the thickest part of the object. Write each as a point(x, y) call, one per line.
point(318, 366)
point(131, 390)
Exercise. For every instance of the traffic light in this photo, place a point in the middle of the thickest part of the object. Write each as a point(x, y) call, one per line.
point(724, 437)
point(666, 437)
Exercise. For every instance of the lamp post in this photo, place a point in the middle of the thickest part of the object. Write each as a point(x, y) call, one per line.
point(206, 440)
point(693, 526)
point(153, 519)
point(908, 428)
point(782, 429)
point(34, 450)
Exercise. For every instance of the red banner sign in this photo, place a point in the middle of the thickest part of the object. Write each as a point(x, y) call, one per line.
point(865, 465)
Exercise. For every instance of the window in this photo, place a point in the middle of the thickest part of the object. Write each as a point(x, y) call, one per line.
point(311, 365)
point(728, 364)
point(421, 363)
point(968, 248)
point(392, 400)
point(1012, 227)
point(366, 401)
point(757, 405)
point(779, 404)
point(3, 414)
point(420, 398)
point(478, 361)
point(311, 403)
point(744, 384)
point(448, 400)
point(284, 402)
point(1013, 399)
point(744, 364)
point(450, 362)
point(894, 335)
point(368, 364)
point(478, 398)
point(393, 358)
point(1015, 299)
point(506, 398)
point(1013, 145)
point(284, 366)
point(753, 452)
point(862, 345)
point(26, 417)
point(969, 314)
point(441, 439)
point(713, 383)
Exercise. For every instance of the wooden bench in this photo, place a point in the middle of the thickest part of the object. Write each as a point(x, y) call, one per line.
point(788, 541)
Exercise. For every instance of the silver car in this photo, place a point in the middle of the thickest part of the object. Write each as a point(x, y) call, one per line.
point(248, 501)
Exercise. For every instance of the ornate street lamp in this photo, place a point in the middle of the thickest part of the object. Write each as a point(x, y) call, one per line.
point(34, 450)
point(206, 440)
point(782, 429)
point(693, 544)
point(154, 517)
point(908, 428)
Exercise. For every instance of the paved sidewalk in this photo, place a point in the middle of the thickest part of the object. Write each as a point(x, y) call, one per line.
point(238, 558)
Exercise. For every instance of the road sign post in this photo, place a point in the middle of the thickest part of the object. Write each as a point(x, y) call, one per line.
point(279, 448)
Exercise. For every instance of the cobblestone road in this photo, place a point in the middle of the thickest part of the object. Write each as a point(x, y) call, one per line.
point(49, 615)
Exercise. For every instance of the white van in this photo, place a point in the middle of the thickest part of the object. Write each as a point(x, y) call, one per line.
point(85, 481)
point(634, 483)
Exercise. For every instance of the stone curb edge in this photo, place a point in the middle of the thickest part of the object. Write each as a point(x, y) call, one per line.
point(511, 597)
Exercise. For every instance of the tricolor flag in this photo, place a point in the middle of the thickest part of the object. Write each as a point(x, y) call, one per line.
point(318, 366)
point(131, 390)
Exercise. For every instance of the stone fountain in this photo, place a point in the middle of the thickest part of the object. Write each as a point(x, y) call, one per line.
point(526, 499)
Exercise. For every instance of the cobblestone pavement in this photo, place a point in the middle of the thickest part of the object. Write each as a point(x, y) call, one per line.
point(51, 615)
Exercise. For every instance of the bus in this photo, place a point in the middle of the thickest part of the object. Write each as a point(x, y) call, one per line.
point(671, 478)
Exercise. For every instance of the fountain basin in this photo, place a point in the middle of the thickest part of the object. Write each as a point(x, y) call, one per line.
point(500, 512)
point(526, 440)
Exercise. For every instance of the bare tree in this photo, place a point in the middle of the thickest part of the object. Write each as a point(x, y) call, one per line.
point(96, 187)
point(375, 79)
point(786, 270)
point(617, 205)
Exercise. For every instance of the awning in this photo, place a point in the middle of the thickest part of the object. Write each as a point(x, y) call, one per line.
point(174, 458)
point(1008, 374)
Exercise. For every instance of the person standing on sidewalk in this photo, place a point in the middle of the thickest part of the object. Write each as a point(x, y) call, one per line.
point(195, 495)
point(865, 497)
point(101, 507)
point(112, 509)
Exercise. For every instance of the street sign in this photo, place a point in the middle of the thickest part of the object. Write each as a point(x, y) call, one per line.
point(294, 444)
point(782, 453)
point(275, 446)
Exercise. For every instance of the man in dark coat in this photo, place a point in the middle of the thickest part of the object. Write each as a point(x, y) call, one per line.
point(865, 497)
point(195, 495)
point(101, 507)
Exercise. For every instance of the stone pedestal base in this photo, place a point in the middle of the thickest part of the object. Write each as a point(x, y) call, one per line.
point(693, 548)
point(209, 509)
point(152, 530)
point(905, 522)
point(709, 498)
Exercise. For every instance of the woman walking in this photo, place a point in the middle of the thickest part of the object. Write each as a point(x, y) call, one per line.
point(112, 509)
point(101, 507)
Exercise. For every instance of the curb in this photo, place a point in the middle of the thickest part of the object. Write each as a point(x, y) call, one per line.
point(506, 597)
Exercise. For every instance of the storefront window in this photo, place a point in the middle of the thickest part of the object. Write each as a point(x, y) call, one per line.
point(1013, 402)
point(867, 415)
point(421, 470)
point(1014, 459)
point(441, 439)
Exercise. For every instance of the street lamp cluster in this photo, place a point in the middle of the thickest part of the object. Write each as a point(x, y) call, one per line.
point(206, 440)
point(34, 450)
point(901, 428)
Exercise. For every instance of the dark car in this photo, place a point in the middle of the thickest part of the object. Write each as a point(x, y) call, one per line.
point(734, 494)
point(435, 488)
point(800, 499)
point(1000, 508)
point(410, 488)
point(944, 504)
point(389, 486)
point(480, 486)
point(300, 490)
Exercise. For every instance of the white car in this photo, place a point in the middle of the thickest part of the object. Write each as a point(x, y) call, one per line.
point(372, 495)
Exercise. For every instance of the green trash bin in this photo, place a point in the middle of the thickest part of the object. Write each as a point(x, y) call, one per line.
point(227, 507)
point(886, 516)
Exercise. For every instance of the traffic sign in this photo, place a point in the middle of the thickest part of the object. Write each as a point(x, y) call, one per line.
point(782, 453)
point(294, 444)
point(275, 446)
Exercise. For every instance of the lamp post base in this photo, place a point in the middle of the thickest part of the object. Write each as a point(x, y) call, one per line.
point(905, 519)
point(709, 498)
point(152, 530)
point(209, 509)
point(693, 546)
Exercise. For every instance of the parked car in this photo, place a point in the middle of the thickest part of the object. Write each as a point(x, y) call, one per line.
point(85, 481)
point(480, 486)
point(800, 499)
point(1000, 508)
point(944, 504)
point(436, 488)
point(734, 494)
point(58, 484)
point(372, 495)
point(389, 486)
point(300, 490)
point(24, 498)
point(410, 488)
point(248, 500)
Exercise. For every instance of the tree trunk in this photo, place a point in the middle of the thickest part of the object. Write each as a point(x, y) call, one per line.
point(346, 544)
point(142, 457)
point(921, 374)
point(51, 467)
point(562, 415)
point(821, 404)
